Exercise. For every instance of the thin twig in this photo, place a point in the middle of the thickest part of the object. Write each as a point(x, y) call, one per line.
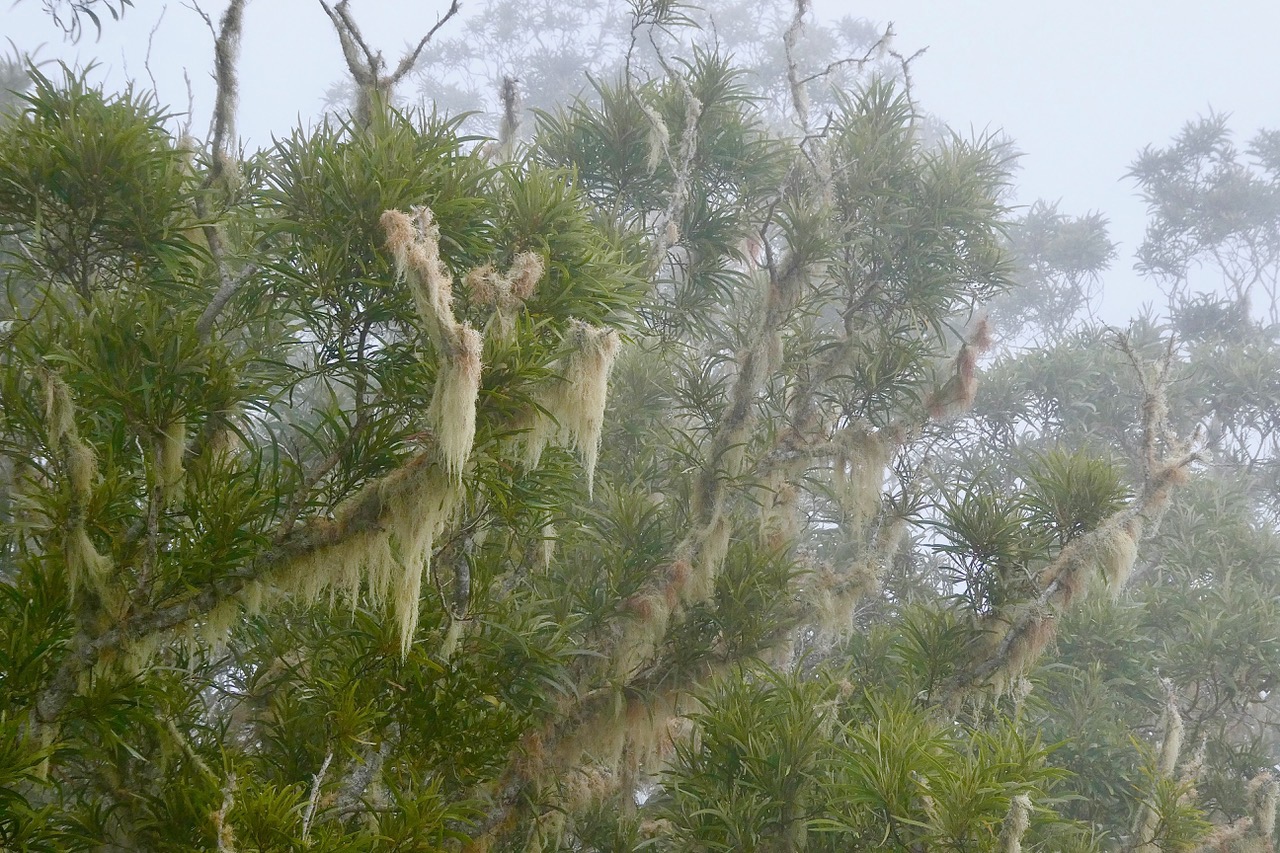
point(151, 36)
point(314, 799)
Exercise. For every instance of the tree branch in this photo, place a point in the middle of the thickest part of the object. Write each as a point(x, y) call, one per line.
point(363, 514)
point(366, 70)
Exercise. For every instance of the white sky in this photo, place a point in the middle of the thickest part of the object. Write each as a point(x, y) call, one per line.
point(1080, 86)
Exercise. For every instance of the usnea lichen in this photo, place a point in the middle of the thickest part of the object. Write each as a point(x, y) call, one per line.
point(414, 244)
point(857, 474)
point(1015, 825)
point(389, 559)
point(574, 402)
point(84, 563)
point(505, 293)
point(172, 445)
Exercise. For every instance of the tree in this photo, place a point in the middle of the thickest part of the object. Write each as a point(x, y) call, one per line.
point(387, 490)
point(1162, 699)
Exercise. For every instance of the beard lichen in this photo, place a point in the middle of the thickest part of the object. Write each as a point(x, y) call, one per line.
point(453, 401)
point(573, 404)
point(84, 563)
point(172, 444)
point(709, 552)
point(857, 475)
point(1016, 822)
point(414, 244)
point(955, 396)
point(1108, 551)
point(386, 533)
point(392, 559)
point(505, 293)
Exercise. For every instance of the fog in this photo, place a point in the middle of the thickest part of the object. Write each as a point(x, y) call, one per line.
point(1079, 88)
point(745, 463)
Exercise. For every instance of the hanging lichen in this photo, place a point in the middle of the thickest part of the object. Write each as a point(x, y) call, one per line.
point(1015, 825)
point(415, 246)
point(1108, 552)
point(955, 396)
point(85, 565)
point(658, 138)
point(1031, 630)
point(574, 402)
point(505, 293)
point(649, 614)
point(707, 558)
point(453, 401)
point(547, 540)
point(836, 594)
point(857, 474)
point(1118, 551)
point(59, 414)
point(384, 536)
point(1171, 745)
point(172, 445)
point(1149, 817)
point(780, 514)
point(413, 505)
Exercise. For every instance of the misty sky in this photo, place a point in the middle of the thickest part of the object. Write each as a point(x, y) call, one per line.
point(1079, 86)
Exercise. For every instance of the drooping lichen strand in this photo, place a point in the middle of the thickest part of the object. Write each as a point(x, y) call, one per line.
point(172, 446)
point(491, 288)
point(658, 138)
point(1149, 816)
point(1016, 822)
point(1107, 552)
point(414, 244)
point(955, 396)
point(84, 563)
point(59, 414)
point(453, 401)
point(82, 467)
point(392, 558)
point(387, 531)
point(576, 401)
point(858, 472)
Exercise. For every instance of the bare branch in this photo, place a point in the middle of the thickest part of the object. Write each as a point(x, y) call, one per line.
point(226, 51)
point(226, 290)
point(362, 773)
point(151, 37)
point(509, 130)
point(222, 138)
point(314, 799)
point(799, 99)
point(366, 65)
point(411, 59)
point(881, 45)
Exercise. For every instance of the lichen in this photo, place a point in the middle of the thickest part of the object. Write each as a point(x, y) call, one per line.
point(574, 402)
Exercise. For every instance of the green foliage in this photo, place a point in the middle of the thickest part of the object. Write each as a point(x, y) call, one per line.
point(779, 763)
point(97, 185)
point(70, 14)
point(812, 598)
point(203, 452)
